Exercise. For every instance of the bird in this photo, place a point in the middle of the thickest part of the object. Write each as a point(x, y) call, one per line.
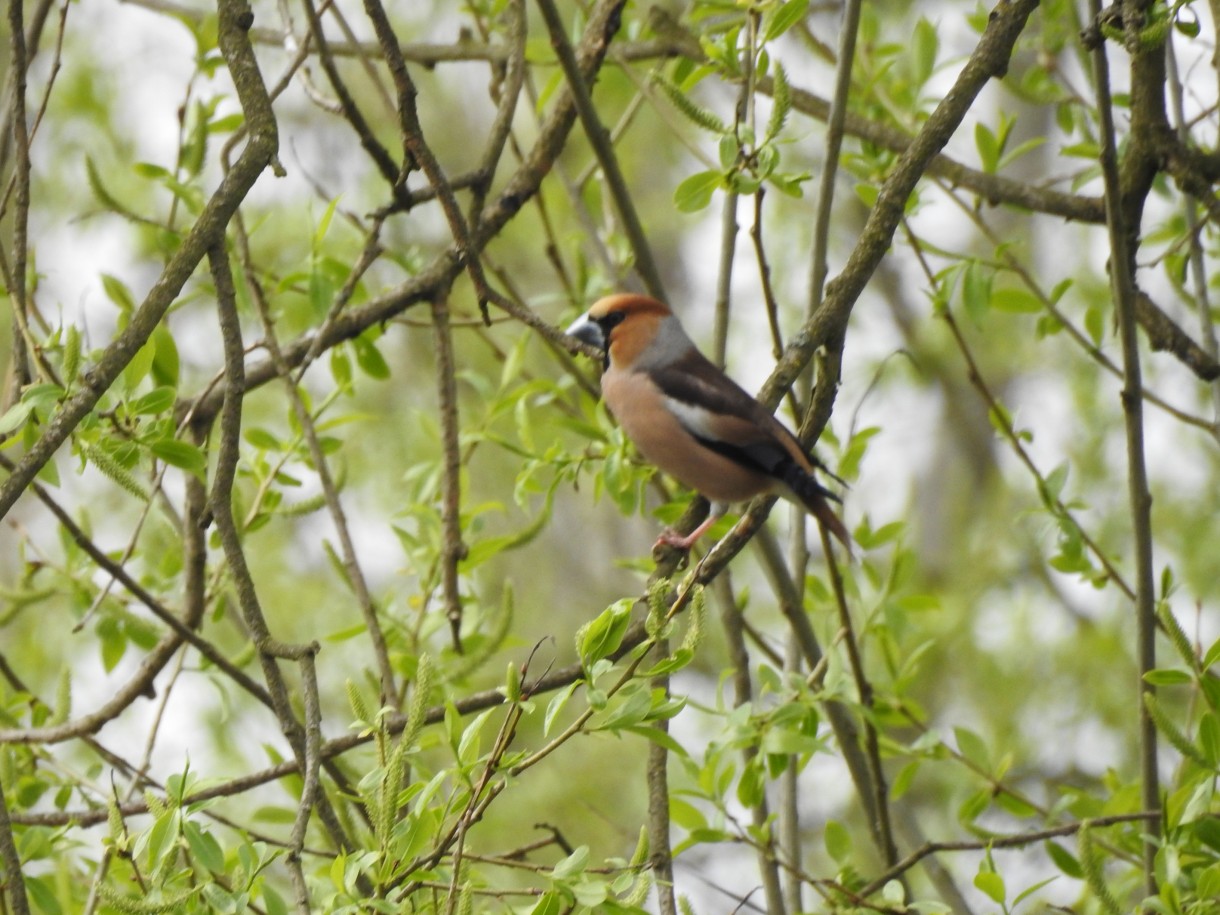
point(691, 420)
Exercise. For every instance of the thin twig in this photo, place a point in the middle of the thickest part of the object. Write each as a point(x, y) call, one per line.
point(257, 155)
point(1122, 280)
point(864, 688)
point(221, 501)
point(1198, 267)
point(309, 431)
point(829, 323)
point(603, 148)
point(420, 153)
point(743, 694)
point(393, 174)
point(830, 158)
point(310, 788)
point(1015, 841)
point(509, 89)
point(15, 881)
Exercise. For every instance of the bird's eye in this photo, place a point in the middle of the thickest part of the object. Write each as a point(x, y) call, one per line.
point(611, 321)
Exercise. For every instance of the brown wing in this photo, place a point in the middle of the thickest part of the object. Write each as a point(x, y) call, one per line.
point(717, 411)
point(721, 415)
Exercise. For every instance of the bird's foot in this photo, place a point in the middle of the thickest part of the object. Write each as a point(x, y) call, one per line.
point(674, 540)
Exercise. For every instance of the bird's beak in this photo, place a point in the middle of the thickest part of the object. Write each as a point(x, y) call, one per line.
point(589, 332)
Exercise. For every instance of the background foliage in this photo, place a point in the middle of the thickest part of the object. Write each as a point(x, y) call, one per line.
point(289, 420)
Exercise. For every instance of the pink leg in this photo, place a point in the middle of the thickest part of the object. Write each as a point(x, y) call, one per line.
point(669, 538)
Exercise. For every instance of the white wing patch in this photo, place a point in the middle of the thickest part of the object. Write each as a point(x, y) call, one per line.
point(698, 421)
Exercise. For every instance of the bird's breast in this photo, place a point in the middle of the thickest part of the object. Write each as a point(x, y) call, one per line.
point(645, 415)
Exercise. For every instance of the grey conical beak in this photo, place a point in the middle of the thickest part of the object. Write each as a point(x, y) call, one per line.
point(587, 331)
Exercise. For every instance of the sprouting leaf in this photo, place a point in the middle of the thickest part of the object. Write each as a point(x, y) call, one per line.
point(601, 636)
point(780, 19)
point(695, 193)
point(181, 454)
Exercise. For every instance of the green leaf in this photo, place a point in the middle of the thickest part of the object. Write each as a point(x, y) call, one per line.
point(43, 896)
point(972, 747)
point(1167, 677)
point(902, 781)
point(780, 19)
point(988, 146)
point(1015, 300)
point(976, 290)
point(550, 903)
point(868, 194)
point(602, 636)
point(1064, 860)
point(695, 192)
point(992, 884)
point(1030, 890)
point(1212, 657)
point(1094, 324)
point(158, 400)
point(838, 842)
point(573, 865)
point(104, 197)
point(116, 290)
point(181, 454)
point(925, 45)
point(370, 360)
point(557, 704)
point(139, 366)
point(204, 847)
point(15, 416)
point(165, 363)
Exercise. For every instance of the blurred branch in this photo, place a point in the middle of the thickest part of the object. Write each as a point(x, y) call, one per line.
point(436, 278)
point(419, 153)
point(599, 139)
point(259, 153)
point(309, 431)
point(743, 695)
point(394, 174)
point(827, 326)
point(821, 399)
point(509, 88)
point(1197, 262)
point(994, 189)
point(835, 121)
point(268, 648)
point(1003, 423)
point(1123, 203)
point(14, 878)
point(1020, 840)
point(453, 550)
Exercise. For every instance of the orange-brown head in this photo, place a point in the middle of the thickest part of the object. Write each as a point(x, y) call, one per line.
point(623, 326)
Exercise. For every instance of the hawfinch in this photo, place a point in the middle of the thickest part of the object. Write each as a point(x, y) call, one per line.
point(693, 421)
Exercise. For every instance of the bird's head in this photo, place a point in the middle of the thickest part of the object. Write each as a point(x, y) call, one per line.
point(622, 326)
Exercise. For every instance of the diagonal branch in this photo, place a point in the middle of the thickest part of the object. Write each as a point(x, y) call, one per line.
point(235, 19)
point(603, 147)
point(989, 59)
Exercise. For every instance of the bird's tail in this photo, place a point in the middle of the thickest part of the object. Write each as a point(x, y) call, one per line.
point(816, 499)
